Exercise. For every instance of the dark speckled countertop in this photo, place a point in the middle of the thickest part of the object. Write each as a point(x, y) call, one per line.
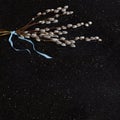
point(77, 84)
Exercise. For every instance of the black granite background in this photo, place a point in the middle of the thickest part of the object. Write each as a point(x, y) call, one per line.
point(77, 84)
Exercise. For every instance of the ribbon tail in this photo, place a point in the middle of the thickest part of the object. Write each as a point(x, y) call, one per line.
point(11, 43)
point(33, 46)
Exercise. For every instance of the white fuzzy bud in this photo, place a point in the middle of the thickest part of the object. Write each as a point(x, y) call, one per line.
point(73, 45)
point(87, 25)
point(42, 30)
point(71, 12)
point(51, 19)
point(48, 22)
point(78, 24)
point(66, 7)
point(59, 8)
point(90, 22)
point(77, 38)
point(74, 26)
point(38, 14)
point(55, 21)
point(33, 19)
point(58, 42)
point(87, 39)
point(64, 32)
point(63, 44)
point(82, 23)
point(68, 42)
point(57, 15)
point(34, 35)
point(64, 27)
point(44, 13)
point(97, 37)
point(48, 10)
point(58, 28)
point(56, 11)
point(69, 25)
point(54, 39)
point(63, 10)
point(72, 41)
point(37, 29)
point(38, 39)
point(100, 40)
point(82, 37)
point(62, 38)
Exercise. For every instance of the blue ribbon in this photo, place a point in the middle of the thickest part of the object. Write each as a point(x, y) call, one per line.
point(24, 39)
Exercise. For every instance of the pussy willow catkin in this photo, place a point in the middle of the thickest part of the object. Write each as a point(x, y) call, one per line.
point(56, 34)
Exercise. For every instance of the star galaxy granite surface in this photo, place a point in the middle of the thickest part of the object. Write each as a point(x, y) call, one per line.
point(81, 83)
